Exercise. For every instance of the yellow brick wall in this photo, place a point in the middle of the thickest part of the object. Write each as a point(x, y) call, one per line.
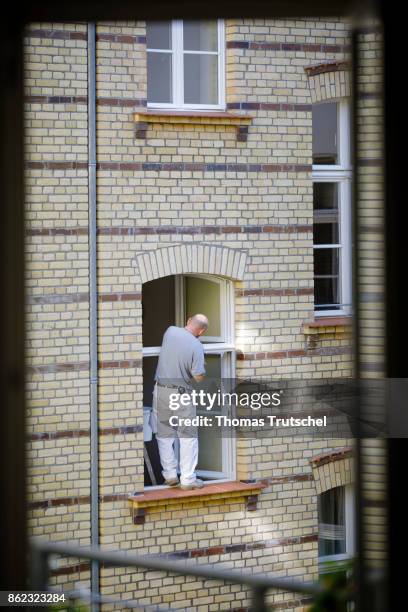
point(265, 212)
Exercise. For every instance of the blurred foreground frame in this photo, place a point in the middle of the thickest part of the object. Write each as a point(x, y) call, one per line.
point(391, 361)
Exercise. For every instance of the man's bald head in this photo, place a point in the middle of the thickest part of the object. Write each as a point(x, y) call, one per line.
point(197, 324)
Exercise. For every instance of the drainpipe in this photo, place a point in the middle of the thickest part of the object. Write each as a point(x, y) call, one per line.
point(93, 306)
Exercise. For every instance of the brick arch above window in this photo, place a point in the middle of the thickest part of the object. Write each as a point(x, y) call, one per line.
point(333, 469)
point(329, 81)
point(192, 258)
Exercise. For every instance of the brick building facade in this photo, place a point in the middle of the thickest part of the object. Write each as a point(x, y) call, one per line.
point(221, 195)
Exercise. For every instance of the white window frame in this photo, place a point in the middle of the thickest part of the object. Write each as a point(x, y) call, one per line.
point(341, 174)
point(226, 349)
point(177, 68)
point(349, 518)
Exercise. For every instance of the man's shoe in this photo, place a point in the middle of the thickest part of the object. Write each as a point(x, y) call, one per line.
point(197, 484)
point(172, 482)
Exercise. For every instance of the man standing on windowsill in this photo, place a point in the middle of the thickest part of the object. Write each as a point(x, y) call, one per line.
point(181, 362)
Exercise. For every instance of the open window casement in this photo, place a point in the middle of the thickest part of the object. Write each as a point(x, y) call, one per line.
point(170, 301)
point(216, 451)
point(209, 295)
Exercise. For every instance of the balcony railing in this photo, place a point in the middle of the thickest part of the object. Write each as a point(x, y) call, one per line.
point(259, 584)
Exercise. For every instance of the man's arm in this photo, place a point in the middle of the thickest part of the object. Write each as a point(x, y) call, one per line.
point(198, 366)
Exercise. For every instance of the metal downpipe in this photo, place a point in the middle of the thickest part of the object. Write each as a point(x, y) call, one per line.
point(93, 305)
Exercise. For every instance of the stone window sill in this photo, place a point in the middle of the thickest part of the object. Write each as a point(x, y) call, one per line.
point(321, 324)
point(145, 117)
point(166, 498)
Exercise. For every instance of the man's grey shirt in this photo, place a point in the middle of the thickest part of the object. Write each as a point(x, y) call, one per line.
point(181, 357)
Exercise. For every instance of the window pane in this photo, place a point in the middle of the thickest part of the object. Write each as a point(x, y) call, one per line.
point(149, 370)
point(158, 309)
point(203, 296)
point(326, 294)
point(152, 465)
point(159, 77)
point(209, 450)
point(325, 140)
point(332, 528)
point(158, 34)
point(326, 279)
point(210, 444)
point(326, 262)
point(325, 233)
point(200, 79)
point(200, 35)
point(325, 196)
point(325, 213)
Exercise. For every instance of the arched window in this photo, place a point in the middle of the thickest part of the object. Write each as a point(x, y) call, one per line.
point(170, 301)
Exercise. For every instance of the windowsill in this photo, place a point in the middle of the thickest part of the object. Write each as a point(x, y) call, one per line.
point(329, 321)
point(192, 117)
point(173, 496)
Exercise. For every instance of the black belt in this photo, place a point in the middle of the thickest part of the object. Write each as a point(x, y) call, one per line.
point(179, 388)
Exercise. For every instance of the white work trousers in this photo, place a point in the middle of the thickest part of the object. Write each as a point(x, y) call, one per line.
point(188, 458)
point(166, 436)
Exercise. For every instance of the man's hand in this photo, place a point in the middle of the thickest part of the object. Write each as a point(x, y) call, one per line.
point(199, 377)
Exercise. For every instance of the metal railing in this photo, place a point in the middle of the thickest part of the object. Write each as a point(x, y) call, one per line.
point(259, 584)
